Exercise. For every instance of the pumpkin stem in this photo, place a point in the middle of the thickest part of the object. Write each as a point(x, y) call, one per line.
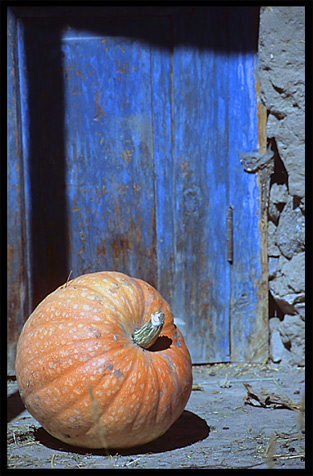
point(146, 336)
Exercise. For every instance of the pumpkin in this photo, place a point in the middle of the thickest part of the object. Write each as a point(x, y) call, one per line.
point(100, 363)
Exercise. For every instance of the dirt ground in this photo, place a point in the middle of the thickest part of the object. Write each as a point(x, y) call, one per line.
point(238, 416)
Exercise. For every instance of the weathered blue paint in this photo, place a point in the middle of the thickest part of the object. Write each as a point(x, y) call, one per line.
point(17, 296)
point(201, 175)
point(134, 134)
point(163, 140)
point(109, 172)
point(247, 340)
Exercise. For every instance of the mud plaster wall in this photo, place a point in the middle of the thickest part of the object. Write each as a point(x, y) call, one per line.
point(281, 75)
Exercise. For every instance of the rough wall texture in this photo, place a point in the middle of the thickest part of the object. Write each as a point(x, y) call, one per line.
point(282, 71)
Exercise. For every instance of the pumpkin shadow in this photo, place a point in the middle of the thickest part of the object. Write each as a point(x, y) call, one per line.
point(15, 406)
point(188, 429)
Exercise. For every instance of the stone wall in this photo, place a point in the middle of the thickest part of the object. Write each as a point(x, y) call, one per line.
point(282, 76)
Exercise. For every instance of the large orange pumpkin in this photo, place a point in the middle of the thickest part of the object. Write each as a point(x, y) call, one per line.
point(100, 363)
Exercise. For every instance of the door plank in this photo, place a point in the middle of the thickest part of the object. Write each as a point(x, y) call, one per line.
point(163, 143)
point(17, 266)
point(249, 288)
point(201, 177)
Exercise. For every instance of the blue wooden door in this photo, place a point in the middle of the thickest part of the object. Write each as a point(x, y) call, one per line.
point(132, 130)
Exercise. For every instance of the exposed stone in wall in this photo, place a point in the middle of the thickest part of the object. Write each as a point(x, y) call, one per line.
point(281, 49)
point(282, 80)
point(287, 340)
point(278, 198)
point(290, 232)
point(287, 285)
